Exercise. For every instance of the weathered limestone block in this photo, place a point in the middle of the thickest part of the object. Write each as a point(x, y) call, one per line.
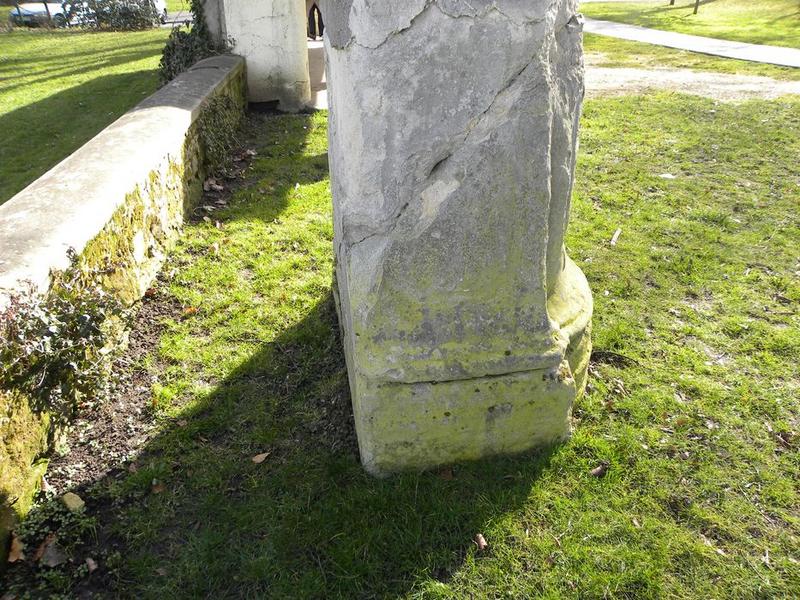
point(271, 36)
point(453, 135)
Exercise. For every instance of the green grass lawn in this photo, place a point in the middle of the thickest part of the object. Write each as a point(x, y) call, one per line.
point(775, 22)
point(605, 51)
point(698, 428)
point(174, 6)
point(58, 89)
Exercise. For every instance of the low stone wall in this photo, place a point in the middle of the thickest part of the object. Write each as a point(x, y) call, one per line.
point(119, 202)
point(121, 197)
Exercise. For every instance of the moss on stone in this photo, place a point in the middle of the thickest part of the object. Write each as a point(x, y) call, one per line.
point(132, 246)
point(23, 436)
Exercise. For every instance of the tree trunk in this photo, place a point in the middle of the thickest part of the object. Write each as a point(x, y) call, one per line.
point(49, 16)
point(696, 6)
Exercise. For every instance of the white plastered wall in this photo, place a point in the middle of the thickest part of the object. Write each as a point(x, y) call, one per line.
point(271, 36)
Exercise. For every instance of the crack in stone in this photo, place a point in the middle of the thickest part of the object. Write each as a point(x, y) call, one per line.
point(480, 14)
point(487, 376)
point(352, 41)
point(465, 136)
point(475, 121)
point(438, 165)
point(388, 231)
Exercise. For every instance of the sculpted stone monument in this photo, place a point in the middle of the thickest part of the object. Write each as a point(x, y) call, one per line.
point(453, 136)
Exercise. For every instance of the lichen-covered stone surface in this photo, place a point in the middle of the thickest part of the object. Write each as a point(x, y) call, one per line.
point(23, 437)
point(120, 199)
point(452, 146)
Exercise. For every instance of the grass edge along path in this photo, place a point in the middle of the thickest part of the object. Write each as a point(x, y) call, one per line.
point(606, 51)
point(770, 22)
point(698, 429)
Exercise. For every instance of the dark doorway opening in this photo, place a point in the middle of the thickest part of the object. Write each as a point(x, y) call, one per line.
point(316, 26)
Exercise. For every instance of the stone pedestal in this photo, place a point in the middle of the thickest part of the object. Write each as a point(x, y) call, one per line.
point(452, 148)
point(271, 36)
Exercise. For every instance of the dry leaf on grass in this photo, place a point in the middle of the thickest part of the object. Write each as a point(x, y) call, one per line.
point(73, 502)
point(91, 564)
point(157, 487)
point(45, 486)
point(260, 458)
point(43, 546)
point(480, 542)
point(16, 552)
point(212, 184)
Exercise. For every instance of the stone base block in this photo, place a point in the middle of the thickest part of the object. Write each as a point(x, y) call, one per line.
point(403, 426)
point(418, 426)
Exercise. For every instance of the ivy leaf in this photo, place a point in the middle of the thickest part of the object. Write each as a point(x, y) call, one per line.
point(600, 470)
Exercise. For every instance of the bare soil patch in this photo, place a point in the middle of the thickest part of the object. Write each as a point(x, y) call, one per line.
point(607, 81)
point(108, 435)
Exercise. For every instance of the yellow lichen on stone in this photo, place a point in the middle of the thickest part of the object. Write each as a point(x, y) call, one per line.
point(23, 436)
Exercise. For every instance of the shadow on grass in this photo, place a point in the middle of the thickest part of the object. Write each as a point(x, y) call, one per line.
point(87, 64)
point(306, 522)
point(38, 135)
point(196, 516)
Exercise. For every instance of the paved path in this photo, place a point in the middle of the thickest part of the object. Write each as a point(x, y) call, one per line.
point(181, 17)
point(775, 55)
point(316, 71)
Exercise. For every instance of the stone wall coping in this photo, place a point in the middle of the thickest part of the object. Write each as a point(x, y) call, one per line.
point(71, 203)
